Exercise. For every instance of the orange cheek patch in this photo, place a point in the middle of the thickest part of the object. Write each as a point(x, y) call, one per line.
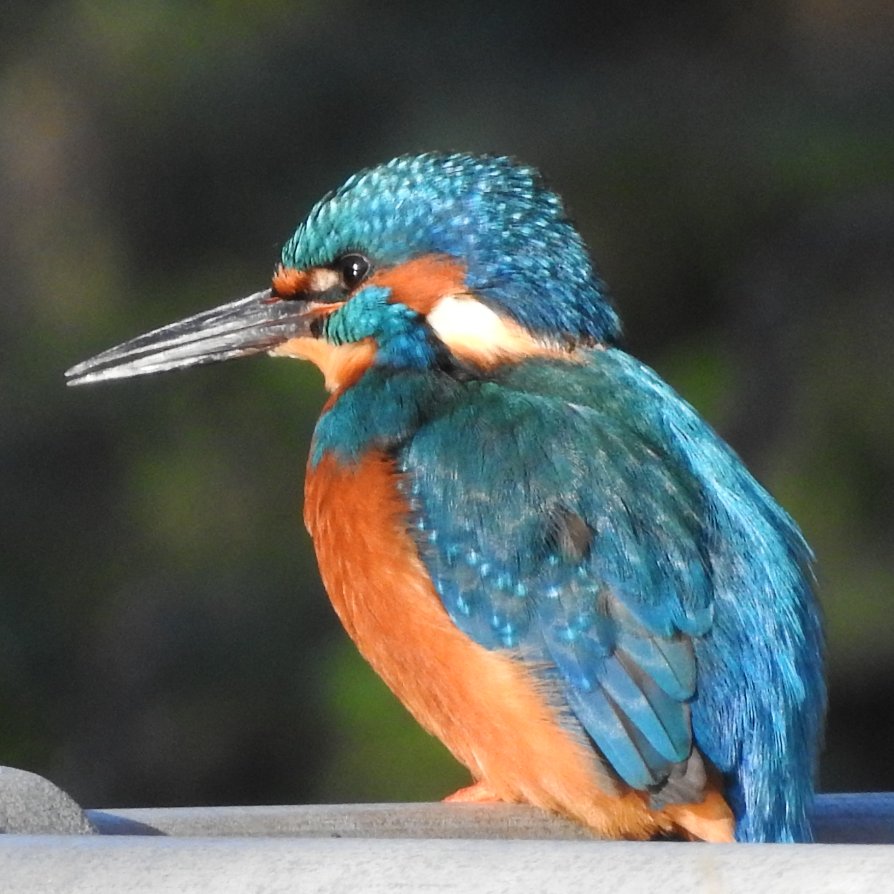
point(434, 286)
point(420, 283)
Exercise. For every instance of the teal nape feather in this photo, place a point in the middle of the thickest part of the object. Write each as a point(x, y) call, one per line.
point(496, 216)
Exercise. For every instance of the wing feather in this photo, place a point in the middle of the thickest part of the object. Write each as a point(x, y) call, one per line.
point(551, 530)
point(582, 516)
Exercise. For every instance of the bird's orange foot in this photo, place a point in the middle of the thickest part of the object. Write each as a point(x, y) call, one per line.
point(478, 793)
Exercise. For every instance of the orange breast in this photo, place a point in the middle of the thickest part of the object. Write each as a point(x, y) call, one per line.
point(485, 706)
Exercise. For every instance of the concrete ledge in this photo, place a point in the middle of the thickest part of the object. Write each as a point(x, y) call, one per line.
point(32, 805)
point(859, 818)
point(838, 819)
point(409, 847)
point(342, 821)
point(202, 865)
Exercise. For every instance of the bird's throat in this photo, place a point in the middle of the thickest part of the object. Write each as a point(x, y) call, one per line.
point(341, 365)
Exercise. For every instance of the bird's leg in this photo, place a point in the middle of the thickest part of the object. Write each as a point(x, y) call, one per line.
point(478, 793)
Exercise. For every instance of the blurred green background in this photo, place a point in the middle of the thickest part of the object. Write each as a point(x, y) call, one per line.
point(164, 638)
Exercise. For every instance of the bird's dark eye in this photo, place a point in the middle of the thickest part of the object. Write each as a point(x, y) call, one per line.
point(352, 268)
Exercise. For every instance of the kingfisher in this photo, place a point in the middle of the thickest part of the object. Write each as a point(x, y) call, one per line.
point(556, 565)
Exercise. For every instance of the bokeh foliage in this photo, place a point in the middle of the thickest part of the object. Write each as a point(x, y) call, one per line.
point(164, 638)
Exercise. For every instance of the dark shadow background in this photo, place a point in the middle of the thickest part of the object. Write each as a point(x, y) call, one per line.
point(164, 638)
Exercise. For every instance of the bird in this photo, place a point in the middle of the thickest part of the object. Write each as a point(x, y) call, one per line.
point(556, 565)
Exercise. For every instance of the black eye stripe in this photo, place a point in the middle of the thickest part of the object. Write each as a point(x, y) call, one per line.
point(353, 268)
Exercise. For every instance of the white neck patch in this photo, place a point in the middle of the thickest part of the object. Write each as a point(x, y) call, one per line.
point(476, 332)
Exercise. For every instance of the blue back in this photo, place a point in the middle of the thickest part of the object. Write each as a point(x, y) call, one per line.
point(585, 517)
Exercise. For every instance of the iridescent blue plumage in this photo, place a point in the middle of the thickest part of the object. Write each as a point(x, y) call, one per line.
point(521, 253)
point(685, 547)
point(560, 568)
point(687, 603)
point(579, 512)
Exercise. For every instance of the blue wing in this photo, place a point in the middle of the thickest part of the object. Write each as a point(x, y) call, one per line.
point(583, 516)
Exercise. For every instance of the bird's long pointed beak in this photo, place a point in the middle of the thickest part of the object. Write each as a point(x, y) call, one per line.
point(247, 326)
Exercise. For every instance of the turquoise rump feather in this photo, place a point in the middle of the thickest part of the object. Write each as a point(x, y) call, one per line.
point(571, 514)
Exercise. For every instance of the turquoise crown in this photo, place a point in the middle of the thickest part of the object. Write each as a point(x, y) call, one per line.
point(521, 253)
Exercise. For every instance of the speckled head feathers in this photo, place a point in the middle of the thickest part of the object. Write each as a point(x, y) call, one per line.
point(497, 217)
